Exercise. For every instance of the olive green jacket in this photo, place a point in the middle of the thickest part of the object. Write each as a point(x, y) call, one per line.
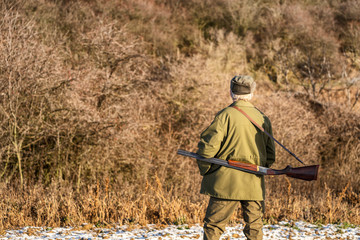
point(232, 136)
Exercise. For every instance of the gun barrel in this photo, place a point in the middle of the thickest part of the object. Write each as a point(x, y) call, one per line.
point(307, 173)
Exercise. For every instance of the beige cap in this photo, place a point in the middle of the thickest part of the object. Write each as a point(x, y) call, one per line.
point(242, 84)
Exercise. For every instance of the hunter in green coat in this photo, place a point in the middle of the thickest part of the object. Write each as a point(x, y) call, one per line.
point(232, 136)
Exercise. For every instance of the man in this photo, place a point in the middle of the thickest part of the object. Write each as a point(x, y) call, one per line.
point(232, 136)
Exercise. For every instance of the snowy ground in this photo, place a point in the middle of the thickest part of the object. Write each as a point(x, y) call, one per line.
point(283, 230)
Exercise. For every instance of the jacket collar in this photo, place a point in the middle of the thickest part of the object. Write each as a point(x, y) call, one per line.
point(242, 103)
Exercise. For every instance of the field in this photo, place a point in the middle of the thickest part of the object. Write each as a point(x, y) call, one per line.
point(97, 96)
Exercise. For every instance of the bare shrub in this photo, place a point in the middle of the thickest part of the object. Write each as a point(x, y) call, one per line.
point(310, 52)
point(91, 115)
point(349, 10)
point(348, 21)
point(26, 107)
point(162, 24)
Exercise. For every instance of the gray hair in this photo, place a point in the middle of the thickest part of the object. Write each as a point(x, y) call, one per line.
point(245, 97)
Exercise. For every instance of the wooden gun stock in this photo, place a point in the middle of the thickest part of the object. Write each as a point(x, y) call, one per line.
point(307, 173)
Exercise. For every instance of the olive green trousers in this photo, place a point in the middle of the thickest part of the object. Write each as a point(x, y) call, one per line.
point(219, 212)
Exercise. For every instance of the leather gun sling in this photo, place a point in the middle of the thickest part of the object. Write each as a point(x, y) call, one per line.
point(263, 130)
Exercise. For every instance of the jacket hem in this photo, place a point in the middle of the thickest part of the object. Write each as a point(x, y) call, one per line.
point(232, 198)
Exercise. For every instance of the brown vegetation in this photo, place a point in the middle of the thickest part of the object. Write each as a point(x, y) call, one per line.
point(97, 96)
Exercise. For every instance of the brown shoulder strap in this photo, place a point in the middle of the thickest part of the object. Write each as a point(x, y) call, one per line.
point(263, 130)
point(251, 120)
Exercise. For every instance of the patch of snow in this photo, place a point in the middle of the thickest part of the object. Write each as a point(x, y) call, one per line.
point(283, 230)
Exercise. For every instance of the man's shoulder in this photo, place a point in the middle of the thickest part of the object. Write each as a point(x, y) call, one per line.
point(263, 114)
point(231, 109)
point(225, 112)
point(249, 109)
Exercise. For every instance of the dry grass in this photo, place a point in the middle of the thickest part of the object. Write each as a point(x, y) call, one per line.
point(93, 110)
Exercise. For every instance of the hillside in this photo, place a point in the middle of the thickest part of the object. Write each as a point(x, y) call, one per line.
point(97, 96)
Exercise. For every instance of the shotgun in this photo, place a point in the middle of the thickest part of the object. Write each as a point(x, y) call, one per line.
point(307, 173)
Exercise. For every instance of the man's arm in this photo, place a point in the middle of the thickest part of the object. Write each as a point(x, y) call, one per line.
point(270, 147)
point(209, 144)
